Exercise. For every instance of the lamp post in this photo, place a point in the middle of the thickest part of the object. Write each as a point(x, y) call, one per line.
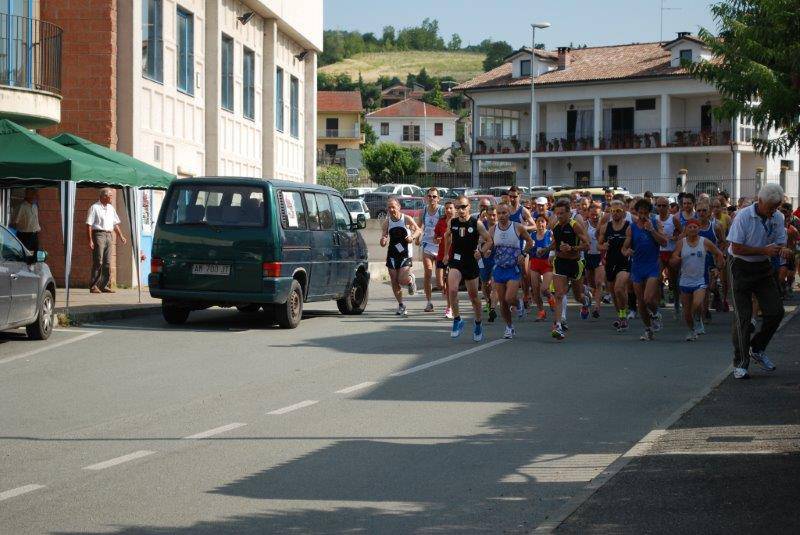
point(541, 26)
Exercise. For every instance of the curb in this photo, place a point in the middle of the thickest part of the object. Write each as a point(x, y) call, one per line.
point(78, 318)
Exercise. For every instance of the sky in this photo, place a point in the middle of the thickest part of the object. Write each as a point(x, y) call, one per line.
point(590, 22)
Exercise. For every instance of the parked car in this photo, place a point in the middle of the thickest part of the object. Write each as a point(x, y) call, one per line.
point(597, 192)
point(376, 202)
point(256, 244)
point(400, 189)
point(444, 193)
point(457, 192)
point(475, 201)
point(27, 289)
point(356, 193)
point(357, 207)
point(709, 187)
point(412, 206)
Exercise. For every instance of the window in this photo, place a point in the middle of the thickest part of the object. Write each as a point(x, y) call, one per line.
point(152, 41)
point(10, 247)
point(294, 106)
point(438, 129)
point(226, 97)
point(293, 214)
point(215, 204)
point(644, 104)
point(279, 99)
point(341, 214)
point(525, 67)
point(185, 51)
point(384, 129)
point(686, 54)
point(249, 89)
point(410, 132)
point(313, 215)
point(324, 209)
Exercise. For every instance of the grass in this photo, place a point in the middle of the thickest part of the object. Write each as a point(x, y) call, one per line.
point(460, 65)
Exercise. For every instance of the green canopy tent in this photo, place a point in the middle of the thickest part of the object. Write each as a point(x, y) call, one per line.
point(28, 159)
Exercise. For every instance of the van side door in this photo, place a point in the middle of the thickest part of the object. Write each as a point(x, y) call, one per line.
point(321, 249)
point(297, 240)
point(345, 242)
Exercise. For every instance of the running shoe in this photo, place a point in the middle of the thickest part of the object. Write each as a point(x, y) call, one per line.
point(596, 313)
point(740, 373)
point(691, 336)
point(606, 299)
point(448, 313)
point(552, 302)
point(617, 323)
point(564, 326)
point(657, 320)
point(412, 284)
point(429, 307)
point(458, 327)
point(584, 312)
point(647, 336)
point(558, 332)
point(401, 310)
point(762, 360)
point(632, 315)
point(477, 332)
point(492, 315)
point(541, 315)
point(623, 325)
point(700, 328)
point(509, 334)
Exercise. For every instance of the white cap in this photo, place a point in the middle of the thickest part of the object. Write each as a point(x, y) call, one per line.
point(540, 200)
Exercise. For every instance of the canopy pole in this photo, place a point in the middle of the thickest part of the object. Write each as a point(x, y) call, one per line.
point(131, 197)
point(67, 190)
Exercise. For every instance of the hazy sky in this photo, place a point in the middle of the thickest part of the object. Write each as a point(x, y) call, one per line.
point(592, 22)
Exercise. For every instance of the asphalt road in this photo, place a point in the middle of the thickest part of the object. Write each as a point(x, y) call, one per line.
point(368, 424)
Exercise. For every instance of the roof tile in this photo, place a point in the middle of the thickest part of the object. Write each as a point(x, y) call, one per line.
point(341, 101)
point(412, 108)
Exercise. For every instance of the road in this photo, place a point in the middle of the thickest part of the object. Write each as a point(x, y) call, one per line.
point(368, 424)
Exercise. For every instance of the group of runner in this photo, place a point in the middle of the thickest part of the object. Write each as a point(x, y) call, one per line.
point(637, 253)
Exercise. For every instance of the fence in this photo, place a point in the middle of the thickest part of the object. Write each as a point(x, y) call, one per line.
point(30, 53)
point(449, 180)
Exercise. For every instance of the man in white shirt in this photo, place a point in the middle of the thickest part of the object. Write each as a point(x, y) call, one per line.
point(27, 221)
point(101, 223)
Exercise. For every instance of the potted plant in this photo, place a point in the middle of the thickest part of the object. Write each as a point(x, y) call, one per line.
point(481, 146)
point(516, 144)
point(637, 141)
point(656, 139)
point(647, 140)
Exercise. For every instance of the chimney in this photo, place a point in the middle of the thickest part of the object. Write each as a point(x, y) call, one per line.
point(563, 57)
point(681, 35)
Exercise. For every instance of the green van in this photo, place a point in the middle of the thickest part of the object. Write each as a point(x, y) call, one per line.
point(254, 243)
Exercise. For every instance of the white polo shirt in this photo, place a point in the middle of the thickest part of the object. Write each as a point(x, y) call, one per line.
point(749, 228)
point(27, 218)
point(102, 217)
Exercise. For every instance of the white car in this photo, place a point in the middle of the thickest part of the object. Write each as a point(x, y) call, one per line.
point(401, 189)
point(356, 193)
point(355, 207)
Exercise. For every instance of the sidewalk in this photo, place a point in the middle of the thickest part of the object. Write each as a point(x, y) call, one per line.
point(85, 307)
point(731, 464)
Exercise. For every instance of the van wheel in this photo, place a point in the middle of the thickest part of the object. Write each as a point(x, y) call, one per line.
point(249, 309)
point(289, 314)
point(355, 301)
point(174, 314)
point(42, 327)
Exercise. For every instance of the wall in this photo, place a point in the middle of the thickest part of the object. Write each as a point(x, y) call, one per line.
point(426, 134)
point(300, 19)
point(289, 150)
point(348, 122)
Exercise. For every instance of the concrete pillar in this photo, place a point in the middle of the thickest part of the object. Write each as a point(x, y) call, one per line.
point(665, 113)
point(310, 114)
point(476, 171)
point(736, 174)
point(737, 130)
point(666, 181)
point(213, 37)
point(597, 173)
point(268, 98)
point(782, 179)
point(537, 178)
point(476, 128)
point(598, 123)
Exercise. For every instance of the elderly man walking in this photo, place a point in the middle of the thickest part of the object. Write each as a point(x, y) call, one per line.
point(27, 221)
point(757, 235)
point(101, 223)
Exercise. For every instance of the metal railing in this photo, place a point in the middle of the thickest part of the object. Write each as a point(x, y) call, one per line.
point(698, 137)
point(30, 53)
point(349, 133)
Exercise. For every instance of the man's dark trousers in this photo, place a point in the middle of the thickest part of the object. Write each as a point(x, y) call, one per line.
point(750, 279)
point(101, 258)
point(29, 240)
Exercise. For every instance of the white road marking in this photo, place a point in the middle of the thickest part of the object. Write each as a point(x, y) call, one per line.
point(84, 336)
point(431, 364)
point(215, 431)
point(19, 491)
point(290, 408)
point(119, 460)
point(720, 452)
point(353, 388)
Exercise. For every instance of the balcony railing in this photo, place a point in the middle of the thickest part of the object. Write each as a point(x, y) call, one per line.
point(349, 133)
point(696, 137)
point(30, 53)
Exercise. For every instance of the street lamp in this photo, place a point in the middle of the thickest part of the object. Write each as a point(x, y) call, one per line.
point(541, 26)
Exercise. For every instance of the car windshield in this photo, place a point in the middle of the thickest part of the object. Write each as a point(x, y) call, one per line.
point(386, 188)
point(216, 205)
point(408, 203)
point(353, 206)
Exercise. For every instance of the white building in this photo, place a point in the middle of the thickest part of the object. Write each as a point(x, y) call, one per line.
point(625, 114)
point(414, 123)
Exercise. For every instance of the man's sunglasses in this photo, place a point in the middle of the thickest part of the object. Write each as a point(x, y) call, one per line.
point(513, 196)
point(432, 196)
point(617, 210)
point(462, 206)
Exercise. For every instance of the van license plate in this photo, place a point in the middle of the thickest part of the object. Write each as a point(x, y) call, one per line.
point(211, 269)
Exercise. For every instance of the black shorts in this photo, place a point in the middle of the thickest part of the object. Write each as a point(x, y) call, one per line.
point(593, 260)
point(616, 266)
point(397, 262)
point(468, 267)
point(440, 265)
point(571, 269)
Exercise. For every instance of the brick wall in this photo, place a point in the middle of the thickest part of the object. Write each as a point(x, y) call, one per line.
point(88, 109)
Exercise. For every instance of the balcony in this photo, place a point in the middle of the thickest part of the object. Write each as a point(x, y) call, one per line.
point(30, 71)
point(340, 133)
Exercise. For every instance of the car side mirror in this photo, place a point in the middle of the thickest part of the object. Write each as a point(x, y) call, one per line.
point(361, 221)
point(38, 256)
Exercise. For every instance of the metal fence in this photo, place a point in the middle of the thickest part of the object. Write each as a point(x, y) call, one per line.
point(30, 53)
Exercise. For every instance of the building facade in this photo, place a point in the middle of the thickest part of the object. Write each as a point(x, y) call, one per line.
point(195, 87)
point(339, 123)
point(627, 115)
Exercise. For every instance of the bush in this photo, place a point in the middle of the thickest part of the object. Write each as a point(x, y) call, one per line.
point(386, 161)
point(333, 176)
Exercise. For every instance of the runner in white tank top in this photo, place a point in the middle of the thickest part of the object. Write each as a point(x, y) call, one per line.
point(430, 249)
point(668, 273)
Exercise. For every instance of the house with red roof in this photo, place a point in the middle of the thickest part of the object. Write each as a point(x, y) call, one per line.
point(338, 122)
point(627, 115)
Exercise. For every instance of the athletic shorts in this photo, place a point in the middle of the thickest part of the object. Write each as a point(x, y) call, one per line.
point(571, 269)
point(541, 265)
point(397, 262)
point(692, 289)
point(642, 272)
point(468, 267)
point(664, 257)
point(440, 264)
point(790, 263)
point(613, 268)
point(592, 261)
point(503, 275)
point(486, 270)
point(430, 249)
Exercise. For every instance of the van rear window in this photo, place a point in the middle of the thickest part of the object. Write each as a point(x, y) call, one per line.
point(215, 204)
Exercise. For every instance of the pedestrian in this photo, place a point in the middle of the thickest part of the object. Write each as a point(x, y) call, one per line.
point(757, 235)
point(399, 232)
point(101, 223)
point(27, 221)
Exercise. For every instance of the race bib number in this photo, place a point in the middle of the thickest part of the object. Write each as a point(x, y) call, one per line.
point(456, 256)
point(480, 263)
point(399, 247)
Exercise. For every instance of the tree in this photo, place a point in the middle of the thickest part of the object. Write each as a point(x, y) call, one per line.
point(435, 98)
point(496, 53)
point(344, 82)
point(423, 79)
point(370, 138)
point(756, 67)
point(389, 161)
point(325, 82)
point(455, 42)
point(388, 38)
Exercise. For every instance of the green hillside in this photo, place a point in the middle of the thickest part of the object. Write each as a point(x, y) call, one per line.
point(460, 65)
